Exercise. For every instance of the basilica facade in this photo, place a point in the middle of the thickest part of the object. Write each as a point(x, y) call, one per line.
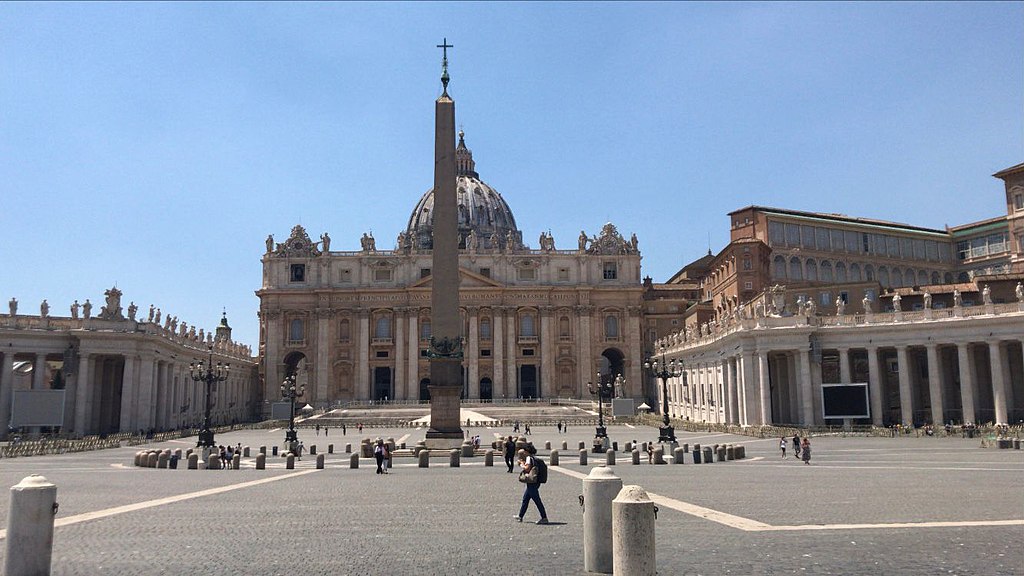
point(538, 322)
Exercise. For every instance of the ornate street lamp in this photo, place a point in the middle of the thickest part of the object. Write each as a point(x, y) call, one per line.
point(209, 374)
point(659, 368)
point(603, 390)
point(290, 392)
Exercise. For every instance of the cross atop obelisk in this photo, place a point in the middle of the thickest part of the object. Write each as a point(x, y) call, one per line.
point(444, 46)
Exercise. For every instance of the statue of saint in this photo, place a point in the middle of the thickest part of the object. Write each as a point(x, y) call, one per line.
point(986, 295)
point(543, 241)
point(927, 300)
point(132, 310)
point(494, 242)
point(202, 336)
point(364, 243)
point(1019, 291)
point(583, 241)
point(270, 243)
point(957, 299)
point(156, 317)
point(810, 308)
point(896, 306)
point(44, 308)
point(840, 306)
point(326, 239)
point(866, 303)
point(151, 311)
point(74, 309)
point(13, 306)
point(620, 383)
point(471, 241)
point(87, 309)
point(633, 242)
point(372, 243)
point(510, 241)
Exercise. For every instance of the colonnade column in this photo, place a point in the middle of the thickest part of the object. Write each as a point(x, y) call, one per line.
point(148, 399)
point(510, 362)
point(765, 386)
point(6, 388)
point(875, 386)
point(498, 352)
point(413, 374)
point(83, 395)
point(129, 395)
point(906, 398)
point(39, 372)
point(803, 359)
point(730, 396)
point(995, 354)
point(844, 366)
point(473, 351)
point(749, 403)
point(935, 384)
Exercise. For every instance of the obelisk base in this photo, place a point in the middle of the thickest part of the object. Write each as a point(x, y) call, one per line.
point(445, 432)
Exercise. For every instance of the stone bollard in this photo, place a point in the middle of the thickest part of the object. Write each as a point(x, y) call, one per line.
point(138, 458)
point(348, 448)
point(312, 449)
point(289, 461)
point(609, 458)
point(188, 453)
point(263, 450)
point(677, 455)
point(161, 460)
point(30, 527)
point(643, 447)
point(453, 459)
point(424, 459)
point(489, 458)
point(391, 444)
point(547, 445)
point(193, 461)
point(236, 461)
point(353, 461)
point(633, 540)
point(741, 452)
point(582, 445)
point(261, 461)
point(635, 456)
point(553, 458)
point(708, 458)
point(659, 455)
point(1016, 443)
point(319, 461)
point(721, 453)
point(152, 458)
point(330, 448)
point(467, 449)
point(420, 446)
point(615, 446)
point(600, 488)
point(696, 453)
point(730, 452)
point(274, 450)
point(213, 462)
point(565, 445)
point(245, 451)
point(583, 457)
point(629, 446)
point(365, 448)
point(686, 447)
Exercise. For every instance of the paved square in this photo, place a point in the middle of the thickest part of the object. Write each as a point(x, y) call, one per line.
point(864, 506)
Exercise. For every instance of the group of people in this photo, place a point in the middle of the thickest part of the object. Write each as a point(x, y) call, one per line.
point(515, 427)
point(227, 454)
point(801, 448)
point(382, 454)
point(563, 428)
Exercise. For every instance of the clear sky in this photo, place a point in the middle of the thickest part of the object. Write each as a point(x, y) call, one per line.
point(155, 145)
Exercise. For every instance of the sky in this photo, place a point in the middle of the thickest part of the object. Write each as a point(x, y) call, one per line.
point(154, 146)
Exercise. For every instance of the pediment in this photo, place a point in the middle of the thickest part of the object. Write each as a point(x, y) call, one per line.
point(467, 279)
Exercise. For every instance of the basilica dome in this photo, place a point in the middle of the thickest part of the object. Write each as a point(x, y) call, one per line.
point(482, 210)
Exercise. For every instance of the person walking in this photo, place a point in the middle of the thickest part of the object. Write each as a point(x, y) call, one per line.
point(378, 454)
point(796, 445)
point(532, 491)
point(782, 446)
point(509, 451)
point(805, 451)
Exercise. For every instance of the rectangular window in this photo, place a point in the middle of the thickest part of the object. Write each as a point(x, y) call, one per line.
point(931, 250)
point(485, 352)
point(563, 274)
point(906, 247)
point(823, 240)
point(611, 271)
point(919, 253)
point(485, 272)
point(345, 275)
point(963, 249)
point(298, 273)
point(747, 264)
point(807, 237)
point(527, 351)
point(776, 234)
point(382, 275)
point(746, 286)
point(870, 294)
point(892, 246)
point(527, 273)
point(793, 234)
point(825, 298)
point(979, 248)
point(1018, 202)
point(845, 297)
point(424, 272)
point(837, 240)
point(382, 353)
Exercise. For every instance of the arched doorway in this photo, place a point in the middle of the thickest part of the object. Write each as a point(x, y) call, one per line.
point(382, 384)
point(424, 390)
point(486, 389)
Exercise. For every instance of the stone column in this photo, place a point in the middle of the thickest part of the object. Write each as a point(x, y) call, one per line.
point(323, 353)
point(995, 354)
point(765, 387)
point(83, 396)
point(473, 352)
point(935, 384)
point(749, 384)
point(362, 364)
point(274, 351)
point(906, 397)
point(875, 386)
point(413, 375)
point(39, 372)
point(730, 396)
point(401, 382)
point(129, 396)
point(498, 352)
point(6, 388)
point(510, 362)
point(634, 377)
point(793, 386)
point(844, 366)
point(585, 357)
point(803, 359)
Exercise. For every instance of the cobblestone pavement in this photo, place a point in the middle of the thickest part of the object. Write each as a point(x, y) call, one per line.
point(445, 520)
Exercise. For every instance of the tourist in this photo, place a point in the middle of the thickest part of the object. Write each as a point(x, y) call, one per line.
point(317, 429)
point(360, 427)
point(805, 451)
point(559, 426)
point(796, 445)
point(343, 429)
point(509, 451)
point(378, 454)
point(526, 427)
point(782, 446)
point(650, 452)
point(532, 491)
point(387, 457)
point(326, 430)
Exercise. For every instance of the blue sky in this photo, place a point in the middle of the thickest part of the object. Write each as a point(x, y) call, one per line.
point(155, 145)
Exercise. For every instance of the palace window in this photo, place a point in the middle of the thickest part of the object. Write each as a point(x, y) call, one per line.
point(425, 330)
point(1018, 201)
point(563, 274)
point(296, 331)
point(611, 327)
point(563, 328)
point(298, 273)
point(611, 271)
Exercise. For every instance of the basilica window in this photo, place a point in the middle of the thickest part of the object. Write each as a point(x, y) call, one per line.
point(611, 271)
point(897, 278)
point(840, 272)
point(298, 273)
point(382, 275)
point(854, 272)
point(611, 327)
point(527, 273)
point(527, 326)
point(344, 330)
point(382, 328)
point(825, 271)
point(485, 328)
point(296, 331)
point(883, 276)
point(869, 273)
point(796, 271)
point(812, 270)
point(563, 274)
point(563, 328)
point(425, 330)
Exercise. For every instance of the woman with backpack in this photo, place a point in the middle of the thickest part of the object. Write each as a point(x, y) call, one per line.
point(531, 477)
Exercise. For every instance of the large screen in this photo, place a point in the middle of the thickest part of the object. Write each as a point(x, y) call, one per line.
point(845, 401)
point(37, 408)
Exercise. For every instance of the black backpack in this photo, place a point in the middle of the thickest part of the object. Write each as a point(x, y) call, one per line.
point(542, 470)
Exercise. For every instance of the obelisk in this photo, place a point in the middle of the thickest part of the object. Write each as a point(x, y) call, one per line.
point(446, 340)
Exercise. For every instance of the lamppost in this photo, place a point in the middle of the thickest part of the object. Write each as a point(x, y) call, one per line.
point(209, 374)
point(602, 390)
point(659, 368)
point(290, 392)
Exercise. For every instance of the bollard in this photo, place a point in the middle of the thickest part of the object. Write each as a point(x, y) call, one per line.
point(30, 527)
point(615, 446)
point(236, 461)
point(453, 459)
point(245, 451)
point(275, 450)
point(319, 461)
point(261, 461)
point(193, 461)
point(633, 515)
point(609, 458)
point(635, 456)
point(708, 459)
point(696, 453)
point(173, 462)
point(547, 445)
point(629, 446)
point(312, 449)
point(741, 452)
point(467, 449)
point(188, 453)
point(263, 450)
point(161, 460)
point(659, 455)
point(599, 489)
point(138, 458)
point(489, 458)
point(643, 447)
point(424, 458)
point(1016, 443)
point(289, 462)
point(730, 452)
point(677, 455)
point(565, 445)
point(583, 446)
point(553, 458)
point(686, 447)
point(348, 448)
point(213, 462)
point(583, 457)
point(721, 453)
point(151, 460)
point(330, 448)
point(353, 461)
